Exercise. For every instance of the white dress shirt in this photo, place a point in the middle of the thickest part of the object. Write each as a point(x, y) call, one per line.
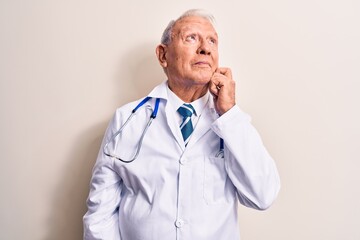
point(172, 192)
point(199, 105)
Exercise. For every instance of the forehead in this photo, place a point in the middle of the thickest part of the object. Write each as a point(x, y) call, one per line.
point(193, 23)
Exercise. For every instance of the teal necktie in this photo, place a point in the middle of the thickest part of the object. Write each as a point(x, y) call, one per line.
point(186, 111)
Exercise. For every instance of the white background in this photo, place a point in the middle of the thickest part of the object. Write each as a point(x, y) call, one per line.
point(65, 66)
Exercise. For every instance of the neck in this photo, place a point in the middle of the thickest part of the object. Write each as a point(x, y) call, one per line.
point(188, 93)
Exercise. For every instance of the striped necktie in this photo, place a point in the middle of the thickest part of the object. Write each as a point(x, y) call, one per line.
point(186, 110)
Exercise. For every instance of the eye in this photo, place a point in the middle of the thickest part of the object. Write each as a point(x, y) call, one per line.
point(191, 38)
point(212, 41)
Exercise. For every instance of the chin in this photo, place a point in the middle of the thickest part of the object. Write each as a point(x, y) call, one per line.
point(203, 77)
point(200, 82)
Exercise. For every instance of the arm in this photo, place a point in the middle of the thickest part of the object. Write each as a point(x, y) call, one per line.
point(101, 220)
point(249, 166)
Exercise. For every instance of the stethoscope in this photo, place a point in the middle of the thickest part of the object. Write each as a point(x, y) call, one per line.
point(152, 117)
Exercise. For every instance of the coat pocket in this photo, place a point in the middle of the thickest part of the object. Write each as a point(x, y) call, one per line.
point(218, 188)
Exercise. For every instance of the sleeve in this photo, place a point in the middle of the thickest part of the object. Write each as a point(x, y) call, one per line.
point(101, 220)
point(248, 164)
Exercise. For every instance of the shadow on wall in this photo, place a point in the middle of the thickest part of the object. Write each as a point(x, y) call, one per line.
point(69, 204)
point(145, 70)
point(65, 221)
point(138, 73)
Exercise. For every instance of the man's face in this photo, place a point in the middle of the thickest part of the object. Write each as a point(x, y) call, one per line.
point(192, 55)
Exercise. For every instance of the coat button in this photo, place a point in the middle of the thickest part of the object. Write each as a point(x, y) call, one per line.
point(179, 223)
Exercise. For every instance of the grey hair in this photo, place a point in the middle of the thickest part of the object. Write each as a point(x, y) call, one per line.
point(167, 34)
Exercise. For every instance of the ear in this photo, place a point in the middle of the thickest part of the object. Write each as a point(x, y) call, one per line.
point(161, 54)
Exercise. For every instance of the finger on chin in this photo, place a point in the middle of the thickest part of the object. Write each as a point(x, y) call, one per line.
point(214, 89)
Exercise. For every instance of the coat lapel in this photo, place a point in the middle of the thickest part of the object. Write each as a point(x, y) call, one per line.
point(174, 127)
point(208, 116)
point(161, 92)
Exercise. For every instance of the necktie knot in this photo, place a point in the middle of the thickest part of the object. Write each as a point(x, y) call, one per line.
point(186, 110)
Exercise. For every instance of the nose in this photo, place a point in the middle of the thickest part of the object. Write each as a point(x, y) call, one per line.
point(204, 48)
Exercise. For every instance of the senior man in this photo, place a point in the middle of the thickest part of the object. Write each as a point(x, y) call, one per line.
point(199, 157)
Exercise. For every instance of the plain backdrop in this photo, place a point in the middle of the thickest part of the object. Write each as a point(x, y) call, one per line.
point(65, 66)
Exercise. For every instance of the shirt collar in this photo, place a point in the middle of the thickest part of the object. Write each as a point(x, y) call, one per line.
point(198, 104)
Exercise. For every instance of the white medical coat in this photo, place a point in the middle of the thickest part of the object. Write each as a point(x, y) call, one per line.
point(167, 193)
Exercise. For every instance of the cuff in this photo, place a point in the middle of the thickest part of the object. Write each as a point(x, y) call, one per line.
point(232, 117)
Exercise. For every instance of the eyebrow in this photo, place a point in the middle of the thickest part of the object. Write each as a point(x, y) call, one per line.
point(186, 29)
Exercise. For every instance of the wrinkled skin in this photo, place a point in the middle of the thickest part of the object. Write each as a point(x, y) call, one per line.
point(190, 62)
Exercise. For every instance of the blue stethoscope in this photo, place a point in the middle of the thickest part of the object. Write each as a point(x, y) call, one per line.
point(152, 117)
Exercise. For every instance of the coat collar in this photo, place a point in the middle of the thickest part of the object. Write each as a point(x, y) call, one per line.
point(207, 117)
point(160, 91)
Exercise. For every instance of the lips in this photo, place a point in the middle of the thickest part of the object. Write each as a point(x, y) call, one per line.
point(202, 64)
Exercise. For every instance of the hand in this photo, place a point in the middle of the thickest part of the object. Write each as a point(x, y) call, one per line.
point(222, 87)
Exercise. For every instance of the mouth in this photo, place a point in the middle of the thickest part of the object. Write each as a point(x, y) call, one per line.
point(203, 64)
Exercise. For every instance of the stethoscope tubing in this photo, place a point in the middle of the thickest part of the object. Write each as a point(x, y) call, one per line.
point(137, 151)
point(152, 117)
